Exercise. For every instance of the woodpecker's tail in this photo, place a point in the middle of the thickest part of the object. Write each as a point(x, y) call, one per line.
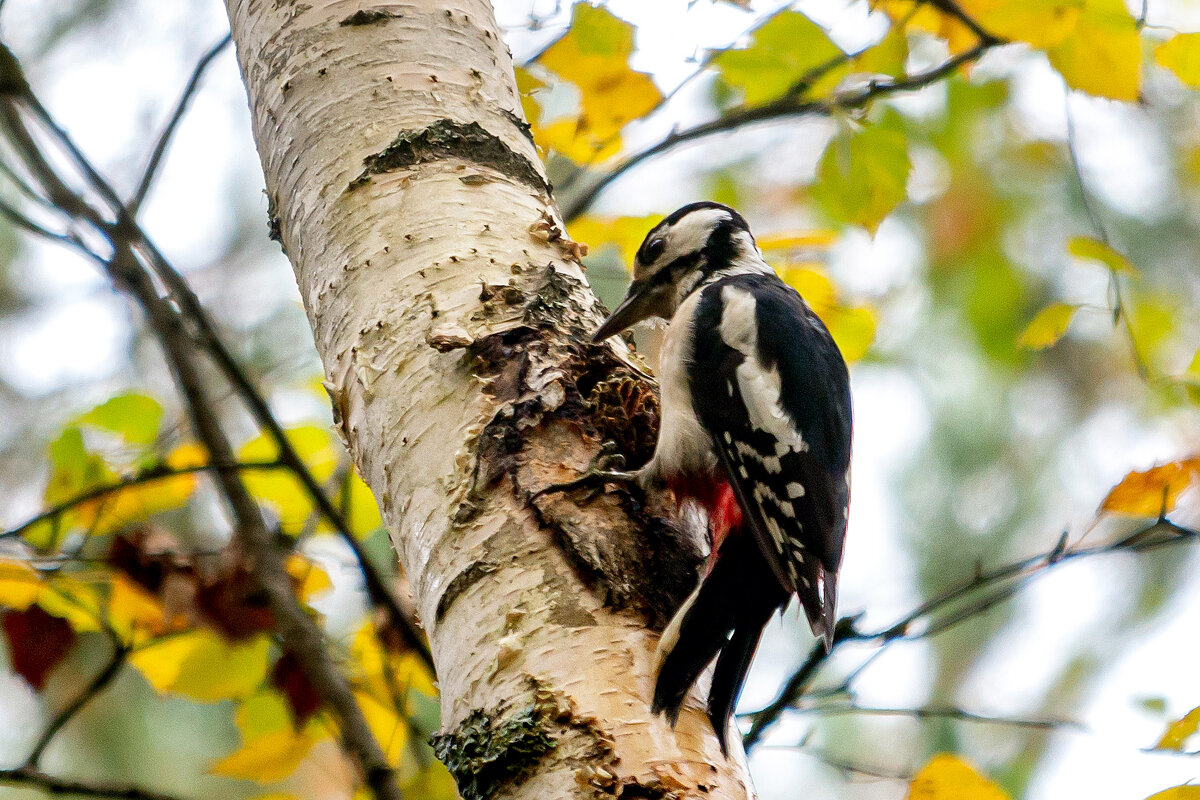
point(820, 605)
point(738, 596)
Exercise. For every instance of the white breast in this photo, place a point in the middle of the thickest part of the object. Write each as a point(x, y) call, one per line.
point(684, 448)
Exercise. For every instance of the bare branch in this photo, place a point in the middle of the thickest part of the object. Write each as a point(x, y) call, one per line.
point(942, 712)
point(24, 776)
point(97, 685)
point(1120, 314)
point(784, 107)
point(164, 138)
point(298, 630)
point(844, 765)
point(156, 472)
point(127, 228)
point(976, 595)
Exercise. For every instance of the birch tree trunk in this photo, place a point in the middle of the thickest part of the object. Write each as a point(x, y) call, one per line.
point(452, 317)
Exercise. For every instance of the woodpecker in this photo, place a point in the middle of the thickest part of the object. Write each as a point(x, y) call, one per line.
point(755, 428)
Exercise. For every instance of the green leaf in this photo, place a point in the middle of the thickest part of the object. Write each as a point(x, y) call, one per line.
point(863, 175)
point(135, 417)
point(1048, 326)
point(784, 50)
point(1093, 249)
point(1181, 55)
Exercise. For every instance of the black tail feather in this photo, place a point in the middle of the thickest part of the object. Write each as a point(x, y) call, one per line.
point(730, 673)
point(740, 594)
point(703, 626)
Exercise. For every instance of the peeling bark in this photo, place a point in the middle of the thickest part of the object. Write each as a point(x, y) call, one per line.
point(452, 317)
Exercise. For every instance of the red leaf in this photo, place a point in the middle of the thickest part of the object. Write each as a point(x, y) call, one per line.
point(38, 641)
point(289, 678)
point(234, 604)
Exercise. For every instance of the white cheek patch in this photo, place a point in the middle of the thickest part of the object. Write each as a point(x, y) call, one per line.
point(760, 387)
point(690, 234)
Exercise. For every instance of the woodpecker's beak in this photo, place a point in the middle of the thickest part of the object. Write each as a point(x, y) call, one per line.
point(637, 306)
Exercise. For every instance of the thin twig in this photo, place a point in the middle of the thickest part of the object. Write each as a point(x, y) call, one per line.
point(982, 592)
point(1120, 313)
point(779, 109)
point(151, 474)
point(298, 630)
point(843, 765)
point(164, 138)
point(944, 712)
point(24, 776)
point(97, 685)
point(127, 228)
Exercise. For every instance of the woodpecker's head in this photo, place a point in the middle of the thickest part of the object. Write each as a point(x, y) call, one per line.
point(678, 255)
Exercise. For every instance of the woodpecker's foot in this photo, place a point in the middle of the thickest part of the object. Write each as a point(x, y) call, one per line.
point(605, 467)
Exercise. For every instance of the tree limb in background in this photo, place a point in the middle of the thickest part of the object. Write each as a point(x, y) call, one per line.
point(148, 475)
point(299, 632)
point(959, 603)
point(24, 776)
point(164, 138)
point(204, 330)
point(789, 105)
point(97, 685)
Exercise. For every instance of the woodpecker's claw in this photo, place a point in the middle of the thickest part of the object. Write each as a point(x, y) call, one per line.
point(605, 467)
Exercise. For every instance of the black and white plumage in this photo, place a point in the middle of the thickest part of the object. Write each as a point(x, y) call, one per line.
point(756, 429)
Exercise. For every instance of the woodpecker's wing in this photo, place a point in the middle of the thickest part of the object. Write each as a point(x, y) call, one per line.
point(770, 385)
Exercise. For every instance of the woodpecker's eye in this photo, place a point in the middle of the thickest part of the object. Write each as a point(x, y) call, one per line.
point(652, 251)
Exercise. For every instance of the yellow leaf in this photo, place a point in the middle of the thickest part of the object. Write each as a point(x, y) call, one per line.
point(948, 777)
point(852, 327)
point(1041, 23)
point(70, 598)
point(813, 285)
point(1153, 492)
point(390, 729)
point(527, 85)
point(1103, 54)
point(1177, 793)
point(133, 610)
point(137, 503)
point(1179, 731)
point(1181, 55)
point(189, 454)
point(278, 488)
point(384, 673)
point(594, 55)
point(19, 585)
point(1047, 327)
point(796, 240)
point(311, 579)
point(914, 15)
point(266, 759)
point(202, 665)
point(624, 233)
point(1086, 247)
point(363, 516)
point(261, 713)
point(853, 330)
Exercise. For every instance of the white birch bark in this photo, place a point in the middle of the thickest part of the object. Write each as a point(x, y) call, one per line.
point(451, 317)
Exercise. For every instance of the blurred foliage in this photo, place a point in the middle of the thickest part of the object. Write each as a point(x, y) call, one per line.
point(1031, 311)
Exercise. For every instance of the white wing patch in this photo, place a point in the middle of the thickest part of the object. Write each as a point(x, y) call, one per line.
point(760, 387)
